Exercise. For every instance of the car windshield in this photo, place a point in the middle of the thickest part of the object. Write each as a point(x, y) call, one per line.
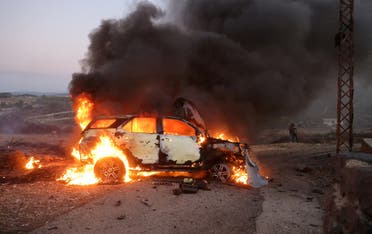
point(103, 123)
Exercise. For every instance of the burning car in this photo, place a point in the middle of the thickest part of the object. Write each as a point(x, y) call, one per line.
point(163, 143)
point(121, 147)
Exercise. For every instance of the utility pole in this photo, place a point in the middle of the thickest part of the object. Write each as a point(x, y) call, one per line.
point(345, 43)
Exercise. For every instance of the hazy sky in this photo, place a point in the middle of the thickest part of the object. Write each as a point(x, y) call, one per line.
point(42, 41)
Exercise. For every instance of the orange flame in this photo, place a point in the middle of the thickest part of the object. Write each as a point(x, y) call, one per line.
point(239, 175)
point(223, 136)
point(75, 153)
point(32, 164)
point(85, 175)
point(201, 140)
point(83, 107)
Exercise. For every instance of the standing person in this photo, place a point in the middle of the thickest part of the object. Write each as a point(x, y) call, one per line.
point(292, 132)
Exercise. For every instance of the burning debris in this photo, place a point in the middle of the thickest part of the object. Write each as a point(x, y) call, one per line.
point(190, 185)
point(32, 164)
point(18, 161)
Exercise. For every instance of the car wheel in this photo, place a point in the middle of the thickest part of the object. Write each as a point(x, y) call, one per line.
point(221, 172)
point(109, 170)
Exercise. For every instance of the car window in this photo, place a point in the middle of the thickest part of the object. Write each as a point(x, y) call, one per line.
point(177, 127)
point(103, 123)
point(141, 125)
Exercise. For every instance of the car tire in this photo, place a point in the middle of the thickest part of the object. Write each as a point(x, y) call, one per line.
point(221, 172)
point(109, 170)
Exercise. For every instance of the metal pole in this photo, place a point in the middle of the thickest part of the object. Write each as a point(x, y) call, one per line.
point(345, 43)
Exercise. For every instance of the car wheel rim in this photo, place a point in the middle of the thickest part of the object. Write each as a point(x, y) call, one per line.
point(110, 172)
point(221, 172)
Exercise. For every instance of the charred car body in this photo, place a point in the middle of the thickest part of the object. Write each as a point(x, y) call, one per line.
point(162, 143)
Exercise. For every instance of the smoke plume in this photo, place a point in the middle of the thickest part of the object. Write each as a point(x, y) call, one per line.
point(242, 62)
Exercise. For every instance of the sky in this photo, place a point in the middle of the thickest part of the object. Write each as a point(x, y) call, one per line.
point(42, 41)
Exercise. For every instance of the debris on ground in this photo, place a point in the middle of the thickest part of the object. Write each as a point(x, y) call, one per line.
point(168, 183)
point(203, 184)
point(120, 217)
point(177, 191)
point(189, 188)
point(303, 168)
point(118, 203)
point(190, 185)
point(145, 202)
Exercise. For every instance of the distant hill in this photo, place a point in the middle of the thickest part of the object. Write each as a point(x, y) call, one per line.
point(18, 82)
point(34, 93)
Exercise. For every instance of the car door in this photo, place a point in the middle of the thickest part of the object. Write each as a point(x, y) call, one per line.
point(178, 141)
point(139, 136)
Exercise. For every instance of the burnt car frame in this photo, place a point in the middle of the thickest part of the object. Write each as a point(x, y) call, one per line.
point(161, 143)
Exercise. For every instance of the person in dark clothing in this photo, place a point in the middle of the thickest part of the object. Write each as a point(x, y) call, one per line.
point(292, 132)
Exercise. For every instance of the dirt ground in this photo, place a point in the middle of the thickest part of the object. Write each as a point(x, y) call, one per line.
point(296, 199)
point(292, 203)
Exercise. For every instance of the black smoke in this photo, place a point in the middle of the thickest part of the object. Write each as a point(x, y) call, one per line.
point(242, 62)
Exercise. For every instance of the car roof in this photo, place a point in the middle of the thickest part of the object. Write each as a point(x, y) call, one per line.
point(131, 116)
